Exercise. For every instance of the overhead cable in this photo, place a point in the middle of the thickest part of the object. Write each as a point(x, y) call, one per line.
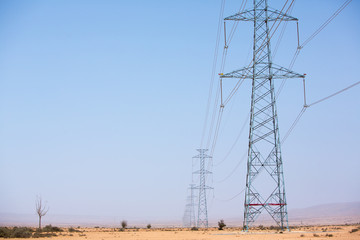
point(334, 94)
point(312, 104)
point(300, 47)
point(213, 70)
point(270, 35)
point(226, 200)
point(325, 23)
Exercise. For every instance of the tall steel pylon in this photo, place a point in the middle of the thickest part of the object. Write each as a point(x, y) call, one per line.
point(264, 153)
point(189, 214)
point(202, 220)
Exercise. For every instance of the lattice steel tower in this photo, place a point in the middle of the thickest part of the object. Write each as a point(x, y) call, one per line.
point(265, 188)
point(202, 220)
point(189, 214)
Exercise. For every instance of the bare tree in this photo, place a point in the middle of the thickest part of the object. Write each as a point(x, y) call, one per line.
point(41, 209)
point(221, 224)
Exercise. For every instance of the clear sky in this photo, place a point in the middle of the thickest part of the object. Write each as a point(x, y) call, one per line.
point(102, 105)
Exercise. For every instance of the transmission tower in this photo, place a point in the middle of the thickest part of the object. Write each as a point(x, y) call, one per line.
point(265, 188)
point(189, 214)
point(202, 220)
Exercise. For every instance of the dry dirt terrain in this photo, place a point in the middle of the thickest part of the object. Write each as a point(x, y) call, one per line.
point(307, 232)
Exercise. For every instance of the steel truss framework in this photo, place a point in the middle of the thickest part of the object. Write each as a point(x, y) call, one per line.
point(189, 214)
point(264, 153)
point(202, 221)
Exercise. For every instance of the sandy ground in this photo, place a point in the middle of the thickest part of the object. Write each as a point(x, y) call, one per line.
point(317, 232)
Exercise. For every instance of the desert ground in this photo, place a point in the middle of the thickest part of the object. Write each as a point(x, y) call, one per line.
point(303, 232)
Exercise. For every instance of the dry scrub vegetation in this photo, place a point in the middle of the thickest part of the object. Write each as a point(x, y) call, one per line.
point(304, 232)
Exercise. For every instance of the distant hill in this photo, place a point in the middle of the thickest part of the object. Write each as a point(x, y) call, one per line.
point(332, 209)
point(61, 220)
point(335, 213)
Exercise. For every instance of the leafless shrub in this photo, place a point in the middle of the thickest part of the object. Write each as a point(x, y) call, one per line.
point(41, 209)
point(221, 224)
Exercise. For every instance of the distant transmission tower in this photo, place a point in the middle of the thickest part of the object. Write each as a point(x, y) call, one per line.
point(202, 220)
point(189, 214)
point(265, 189)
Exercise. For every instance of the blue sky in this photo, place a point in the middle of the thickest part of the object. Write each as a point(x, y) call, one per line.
point(102, 105)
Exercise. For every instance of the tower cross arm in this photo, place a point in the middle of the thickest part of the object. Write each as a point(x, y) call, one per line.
point(249, 15)
point(203, 187)
point(240, 73)
point(284, 73)
point(202, 156)
point(202, 172)
point(278, 72)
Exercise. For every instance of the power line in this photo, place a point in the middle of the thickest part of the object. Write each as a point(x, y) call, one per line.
point(233, 197)
point(293, 125)
point(334, 94)
point(234, 169)
point(300, 47)
point(213, 116)
point(222, 65)
point(302, 111)
point(326, 23)
point(217, 128)
point(221, 110)
point(238, 84)
point(236, 140)
point(233, 29)
point(213, 70)
point(264, 145)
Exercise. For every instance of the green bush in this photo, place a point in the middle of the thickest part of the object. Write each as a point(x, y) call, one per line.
point(275, 228)
point(5, 232)
point(194, 229)
point(25, 232)
point(38, 234)
point(49, 228)
point(124, 224)
point(71, 229)
point(21, 232)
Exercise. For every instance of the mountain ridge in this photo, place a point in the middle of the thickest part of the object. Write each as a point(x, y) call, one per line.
point(330, 213)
